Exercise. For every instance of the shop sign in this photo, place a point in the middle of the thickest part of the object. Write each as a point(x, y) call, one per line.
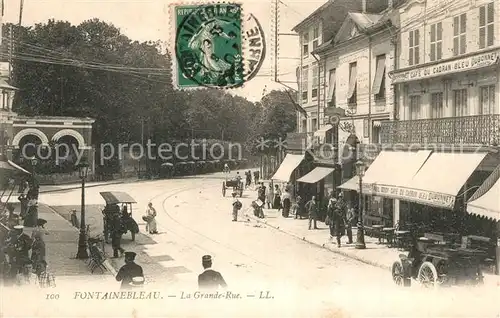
point(460, 65)
point(413, 195)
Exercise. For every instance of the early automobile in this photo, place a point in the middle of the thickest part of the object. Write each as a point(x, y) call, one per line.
point(118, 211)
point(434, 264)
point(236, 184)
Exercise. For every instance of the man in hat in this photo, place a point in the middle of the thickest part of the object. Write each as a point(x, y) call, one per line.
point(129, 271)
point(210, 279)
point(236, 207)
point(18, 245)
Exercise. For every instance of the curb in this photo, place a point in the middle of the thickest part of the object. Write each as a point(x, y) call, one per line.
point(343, 253)
point(106, 263)
point(86, 186)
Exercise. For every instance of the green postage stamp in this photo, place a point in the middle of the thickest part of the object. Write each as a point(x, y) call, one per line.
point(208, 46)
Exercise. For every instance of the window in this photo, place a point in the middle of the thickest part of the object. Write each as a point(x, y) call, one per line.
point(315, 81)
point(315, 37)
point(414, 107)
point(459, 34)
point(437, 105)
point(460, 105)
point(305, 83)
point(314, 124)
point(5, 100)
point(378, 87)
point(304, 125)
point(331, 88)
point(436, 42)
point(414, 48)
point(487, 100)
point(486, 25)
point(305, 44)
point(352, 94)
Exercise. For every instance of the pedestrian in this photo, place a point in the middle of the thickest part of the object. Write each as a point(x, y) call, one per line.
point(19, 245)
point(262, 192)
point(150, 219)
point(236, 207)
point(299, 214)
point(339, 220)
point(312, 210)
point(131, 272)
point(277, 198)
point(286, 204)
point(116, 236)
point(349, 218)
point(38, 250)
point(248, 178)
point(270, 197)
point(24, 205)
point(256, 176)
point(210, 279)
point(330, 216)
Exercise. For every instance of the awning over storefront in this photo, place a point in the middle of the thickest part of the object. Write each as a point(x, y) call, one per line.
point(288, 165)
point(395, 168)
point(321, 133)
point(441, 178)
point(11, 166)
point(318, 173)
point(351, 184)
point(487, 205)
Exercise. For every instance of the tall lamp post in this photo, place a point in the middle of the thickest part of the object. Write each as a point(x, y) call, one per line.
point(82, 253)
point(360, 237)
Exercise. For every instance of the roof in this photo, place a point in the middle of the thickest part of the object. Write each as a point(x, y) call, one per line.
point(364, 20)
point(4, 84)
point(54, 118)
point(366, 23)
point(116, 197)
point(313, 15)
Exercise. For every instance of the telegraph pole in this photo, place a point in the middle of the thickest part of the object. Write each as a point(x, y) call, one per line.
point(11, 47)
point(276, 6)
point(21, 5)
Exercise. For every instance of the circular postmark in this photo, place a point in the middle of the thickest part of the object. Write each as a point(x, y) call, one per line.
point(208, 45)
point(254, 44)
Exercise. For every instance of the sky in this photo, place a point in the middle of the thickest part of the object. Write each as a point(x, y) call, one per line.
point(149, 20)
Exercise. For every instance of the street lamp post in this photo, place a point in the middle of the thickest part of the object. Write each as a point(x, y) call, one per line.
point(360, 237)
point(82, 240)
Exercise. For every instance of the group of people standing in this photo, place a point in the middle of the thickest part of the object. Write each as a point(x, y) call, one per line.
point(24, 256)
point(340, 218)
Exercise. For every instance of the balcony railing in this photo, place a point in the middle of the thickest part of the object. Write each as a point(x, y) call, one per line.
point(469, 130)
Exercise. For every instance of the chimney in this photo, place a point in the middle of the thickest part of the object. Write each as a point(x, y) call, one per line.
point(363, 6)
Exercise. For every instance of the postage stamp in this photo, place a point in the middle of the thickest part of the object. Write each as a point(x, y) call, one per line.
point(208, 46)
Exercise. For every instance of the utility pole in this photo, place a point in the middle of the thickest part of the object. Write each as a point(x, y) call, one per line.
point(142, 143)
point(11, 48)
point(21, 5)
point(276, 4)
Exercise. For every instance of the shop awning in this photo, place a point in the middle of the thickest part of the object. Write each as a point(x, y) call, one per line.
point(395, 168)
point(286, 168)
point(352, 82)
point(317, 174)
point(379, 76)
point(11, 166)
point(321, 133)
point(487, 205)
point(351, 184)
point(442, 176)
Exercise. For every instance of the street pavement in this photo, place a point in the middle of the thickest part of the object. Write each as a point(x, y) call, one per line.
point(304, 279)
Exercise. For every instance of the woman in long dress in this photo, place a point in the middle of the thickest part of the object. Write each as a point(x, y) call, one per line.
point(277, 198)
point(151, 219)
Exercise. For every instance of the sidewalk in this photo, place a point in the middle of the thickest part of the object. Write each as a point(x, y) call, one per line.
point(375, 254)
point(61, 246)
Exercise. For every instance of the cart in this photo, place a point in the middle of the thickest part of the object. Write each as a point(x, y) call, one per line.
point(435, 265)
point(236, 184)
point(113, 211)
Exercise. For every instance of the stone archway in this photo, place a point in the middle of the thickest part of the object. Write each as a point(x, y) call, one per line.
point(70, 132)
point(30, 131)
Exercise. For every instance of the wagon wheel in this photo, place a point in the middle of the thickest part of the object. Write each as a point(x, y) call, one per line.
point(397, 273)
point(223, 189)
point(427, 275)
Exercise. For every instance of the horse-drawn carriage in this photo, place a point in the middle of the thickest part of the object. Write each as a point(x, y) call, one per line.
point(114, 216)
point(434, 264)
point(236, 184)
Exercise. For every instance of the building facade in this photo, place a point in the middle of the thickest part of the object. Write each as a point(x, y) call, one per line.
point(448, 74)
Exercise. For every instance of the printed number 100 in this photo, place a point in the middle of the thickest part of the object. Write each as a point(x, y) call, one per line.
point(52, 296)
